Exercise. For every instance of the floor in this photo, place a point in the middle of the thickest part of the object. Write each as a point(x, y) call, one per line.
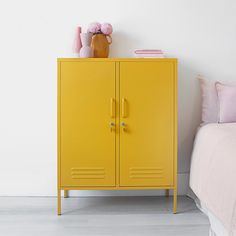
point(100, 216)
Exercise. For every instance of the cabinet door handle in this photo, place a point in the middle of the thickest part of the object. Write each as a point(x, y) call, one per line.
point(123, 126)
point(123, 108)
point(112, 126)
point(112, 108)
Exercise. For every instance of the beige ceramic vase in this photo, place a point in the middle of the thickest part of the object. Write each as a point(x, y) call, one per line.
point(100, 45)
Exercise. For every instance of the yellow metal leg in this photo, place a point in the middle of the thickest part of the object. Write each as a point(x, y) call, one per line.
point(167, 192)
point(66, 193)
point(59, 202)
point(175, 201)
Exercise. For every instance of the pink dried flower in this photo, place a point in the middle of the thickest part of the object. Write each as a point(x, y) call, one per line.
point(106, 28)
point(94, 28)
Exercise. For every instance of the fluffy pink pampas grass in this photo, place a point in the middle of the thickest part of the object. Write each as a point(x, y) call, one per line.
point(106, 28)
point(94, 28)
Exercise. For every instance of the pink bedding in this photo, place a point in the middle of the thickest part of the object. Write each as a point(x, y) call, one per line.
point(213, 172)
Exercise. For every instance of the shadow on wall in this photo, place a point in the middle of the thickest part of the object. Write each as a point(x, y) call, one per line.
point(189, 113)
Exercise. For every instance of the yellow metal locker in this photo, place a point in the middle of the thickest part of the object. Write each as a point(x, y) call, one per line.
point(117, 124)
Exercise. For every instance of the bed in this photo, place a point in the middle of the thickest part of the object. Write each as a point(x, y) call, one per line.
point(213, 176)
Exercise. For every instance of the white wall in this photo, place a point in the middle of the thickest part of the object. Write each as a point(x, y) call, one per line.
point(201, 33)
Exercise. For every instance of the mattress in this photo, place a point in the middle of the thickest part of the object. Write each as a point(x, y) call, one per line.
point(213, 175)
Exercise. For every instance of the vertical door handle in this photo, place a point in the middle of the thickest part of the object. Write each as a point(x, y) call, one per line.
point(123, 108)
point(112, 107)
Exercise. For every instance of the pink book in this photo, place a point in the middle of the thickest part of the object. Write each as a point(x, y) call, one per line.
point(152, 55)
point(148, 51)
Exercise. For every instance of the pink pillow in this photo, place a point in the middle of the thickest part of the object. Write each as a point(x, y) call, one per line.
point(227, 102)
point(210, 103)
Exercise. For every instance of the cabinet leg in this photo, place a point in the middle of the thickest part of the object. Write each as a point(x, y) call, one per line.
point(66, 193)
point(175, 201)
point(167, 192)
point(59, 202)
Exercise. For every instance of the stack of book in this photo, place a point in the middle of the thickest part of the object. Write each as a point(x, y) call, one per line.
point(149, 53)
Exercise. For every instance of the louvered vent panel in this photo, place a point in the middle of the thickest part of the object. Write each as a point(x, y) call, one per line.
point(87, 173)
point(146, 173)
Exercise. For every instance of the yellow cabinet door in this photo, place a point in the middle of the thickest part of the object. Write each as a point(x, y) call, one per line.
point(86, 137)
point(147, 93)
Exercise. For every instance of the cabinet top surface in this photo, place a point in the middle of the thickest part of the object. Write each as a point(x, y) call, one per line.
point(115, 59)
